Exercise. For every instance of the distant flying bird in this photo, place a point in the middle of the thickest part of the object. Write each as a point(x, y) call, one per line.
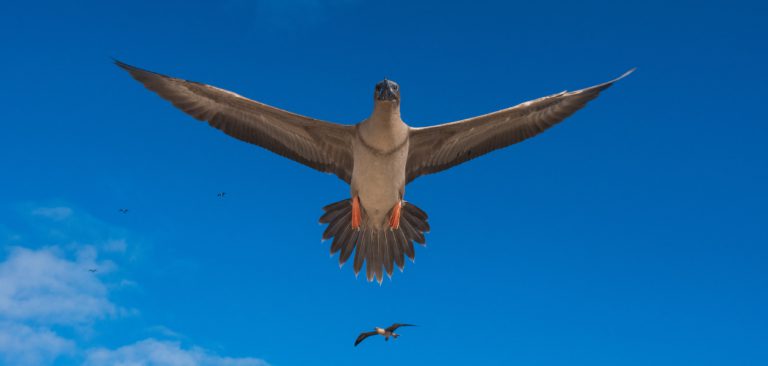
point(123, 210)
point(92, 270)
point(221, 194)
point(376, 157)
point(386, 332)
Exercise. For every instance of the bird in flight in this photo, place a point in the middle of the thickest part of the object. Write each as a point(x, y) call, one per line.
point(92, 270)
point(377, 157)
point(221, 194)
point(386, 332)
point(123, 210)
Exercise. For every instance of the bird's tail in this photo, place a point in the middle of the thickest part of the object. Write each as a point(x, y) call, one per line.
point(381, 249)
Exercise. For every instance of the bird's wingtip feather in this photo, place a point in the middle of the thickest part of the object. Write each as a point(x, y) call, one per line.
point(627, 73)
point(122, 64)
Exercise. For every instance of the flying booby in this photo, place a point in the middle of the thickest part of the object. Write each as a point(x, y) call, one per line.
point(377, 157)
point(386, 332)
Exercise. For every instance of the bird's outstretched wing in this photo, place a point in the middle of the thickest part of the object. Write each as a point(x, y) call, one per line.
point(437, 148)
point(318, 144)
point(363, 336)
point(393, 327)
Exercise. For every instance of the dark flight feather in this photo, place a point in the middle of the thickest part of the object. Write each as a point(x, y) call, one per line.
point(436, 148)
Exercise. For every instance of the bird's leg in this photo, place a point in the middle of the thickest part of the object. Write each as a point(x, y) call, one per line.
point(394, 219)
point(356, 214)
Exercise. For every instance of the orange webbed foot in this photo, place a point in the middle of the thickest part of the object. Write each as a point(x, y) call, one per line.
point(394, 219)
point(356, 216)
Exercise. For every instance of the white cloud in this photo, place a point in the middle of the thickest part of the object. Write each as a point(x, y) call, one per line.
point(71, 228)
point(151, 352)
point(48, 290)
point(24, 345)
point(115, 246)
point(53, 213)
point(41, 286)
point(165, 331)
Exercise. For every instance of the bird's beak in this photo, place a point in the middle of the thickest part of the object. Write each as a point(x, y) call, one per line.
point(386, 91)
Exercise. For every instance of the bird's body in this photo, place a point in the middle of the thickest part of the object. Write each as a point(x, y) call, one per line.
point(380, 149)
point(377, 157)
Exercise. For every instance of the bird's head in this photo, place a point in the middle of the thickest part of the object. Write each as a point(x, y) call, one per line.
point(387, 91)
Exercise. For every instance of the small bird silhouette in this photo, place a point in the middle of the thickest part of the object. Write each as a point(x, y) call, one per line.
point(386, 332)
point(123, 210)
point(92, 270)
point(221, 194)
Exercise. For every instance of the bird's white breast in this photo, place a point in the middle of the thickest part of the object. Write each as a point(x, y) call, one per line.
point(378, 176)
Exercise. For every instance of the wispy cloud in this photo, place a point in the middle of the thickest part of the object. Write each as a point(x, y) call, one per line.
point(69, 228)
point(151, 352)
point(55, 213)
point(49, 292)
point(23, 345)
point(43, 287)
point(115, 246)
point(165, 331)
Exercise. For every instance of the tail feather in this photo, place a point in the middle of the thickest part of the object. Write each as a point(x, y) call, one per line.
point(411, 232)
point(340, 239)
point(411, 209)
point(390, 252)
point(348, 246)
point(378, 261)
point(343, 204)
point(375, 260)
point(400, 254)
point(371, 251)
point(409, 251)
point(332, 215)
point(361, 247)
point(381, 260)
point(379, 249)
point(335, 227)
point(420, 226)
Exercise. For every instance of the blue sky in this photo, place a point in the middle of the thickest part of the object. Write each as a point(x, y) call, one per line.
point(634, 233)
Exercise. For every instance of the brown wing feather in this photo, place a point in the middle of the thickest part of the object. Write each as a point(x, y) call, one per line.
point(394, 327)
point(318, 144)
point(436, 148)
point(363, 336)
